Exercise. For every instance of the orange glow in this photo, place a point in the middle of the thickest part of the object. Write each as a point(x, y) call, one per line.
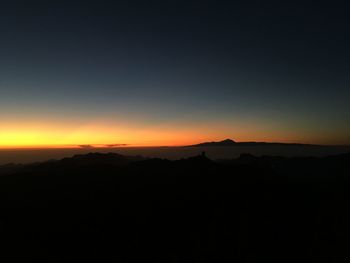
point(71, 134)
point(60, 135)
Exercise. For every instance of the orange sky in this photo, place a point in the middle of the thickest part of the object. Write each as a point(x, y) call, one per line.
point(154, 78)
point(14, 134)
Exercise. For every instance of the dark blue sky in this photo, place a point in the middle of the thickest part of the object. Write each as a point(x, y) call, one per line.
point(280, 69)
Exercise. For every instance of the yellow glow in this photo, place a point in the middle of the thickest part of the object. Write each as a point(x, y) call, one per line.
point(45, 133)
point(46, 138)
point(65, 135)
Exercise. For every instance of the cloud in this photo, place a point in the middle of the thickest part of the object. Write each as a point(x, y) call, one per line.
point(86, 146)
point(115, 145)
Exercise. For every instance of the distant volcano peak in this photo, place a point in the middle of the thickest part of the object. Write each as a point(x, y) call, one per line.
point(226, 142)
point(229, 142)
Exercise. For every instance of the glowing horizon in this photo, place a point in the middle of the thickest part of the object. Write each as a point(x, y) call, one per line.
point(158, 79)
point(103, 134)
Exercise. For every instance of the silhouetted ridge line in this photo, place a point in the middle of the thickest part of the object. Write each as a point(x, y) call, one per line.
point(229, 142)
point(134, 205)
point(111, 159)
point(114, 161)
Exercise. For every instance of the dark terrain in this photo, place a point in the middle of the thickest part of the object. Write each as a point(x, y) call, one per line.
point(113, 208)
point(229, 142)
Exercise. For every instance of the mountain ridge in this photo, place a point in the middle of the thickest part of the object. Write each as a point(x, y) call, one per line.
point(230, 142)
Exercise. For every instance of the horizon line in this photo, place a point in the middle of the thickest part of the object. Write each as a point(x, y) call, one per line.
point(120, 145)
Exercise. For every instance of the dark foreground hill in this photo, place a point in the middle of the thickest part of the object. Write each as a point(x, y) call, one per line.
point(113, 208)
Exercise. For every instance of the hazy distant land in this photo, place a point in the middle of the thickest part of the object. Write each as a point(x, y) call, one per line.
point(214, 150)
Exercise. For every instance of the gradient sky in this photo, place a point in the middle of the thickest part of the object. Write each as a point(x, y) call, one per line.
point(173, 72)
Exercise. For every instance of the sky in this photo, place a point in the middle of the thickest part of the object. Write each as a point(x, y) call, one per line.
point(173, 72)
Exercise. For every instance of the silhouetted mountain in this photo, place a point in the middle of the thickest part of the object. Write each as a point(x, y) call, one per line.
point(229, 142)
point(91, 159)
point(109, 207)
point(9, 168)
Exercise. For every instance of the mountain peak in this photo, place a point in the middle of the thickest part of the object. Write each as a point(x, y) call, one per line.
point(226, 142)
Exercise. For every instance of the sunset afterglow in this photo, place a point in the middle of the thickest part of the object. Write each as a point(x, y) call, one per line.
point(120, 73)
point(174, 130)
point(68, 134)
